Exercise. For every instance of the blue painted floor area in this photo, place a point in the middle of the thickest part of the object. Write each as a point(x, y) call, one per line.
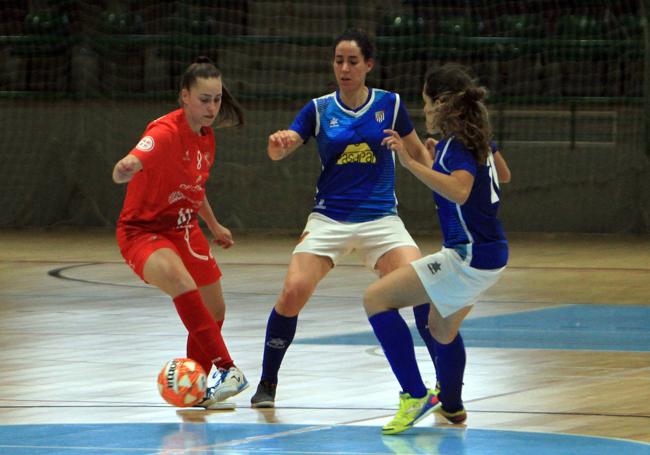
point(203, 438)
point(579, 327)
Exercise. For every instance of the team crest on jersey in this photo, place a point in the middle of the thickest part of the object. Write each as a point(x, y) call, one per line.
point(334, 122)
point(357, 153)
point(379, 116)
point(146, 144)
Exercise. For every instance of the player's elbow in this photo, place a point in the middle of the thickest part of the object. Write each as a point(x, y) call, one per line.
point(461, 195)
point(505, 176)
point(461, 198)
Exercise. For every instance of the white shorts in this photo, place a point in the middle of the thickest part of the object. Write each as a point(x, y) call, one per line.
point(324, 236)
point(450, 282)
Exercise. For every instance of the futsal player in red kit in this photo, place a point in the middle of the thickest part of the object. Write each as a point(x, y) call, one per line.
point(158, 230)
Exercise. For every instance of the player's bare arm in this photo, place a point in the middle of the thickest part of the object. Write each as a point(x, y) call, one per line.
point(503, 170)
point(282, 143)
point(455, 187)
point(126, 168)
point(417, 149)
point(222, 235)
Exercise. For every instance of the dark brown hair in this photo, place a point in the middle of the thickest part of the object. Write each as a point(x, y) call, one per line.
point(361, 38)
point(231, 113)
point(462, 113)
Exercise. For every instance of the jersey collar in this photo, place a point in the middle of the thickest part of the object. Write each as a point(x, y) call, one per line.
point(184, 126)
point(361, 109)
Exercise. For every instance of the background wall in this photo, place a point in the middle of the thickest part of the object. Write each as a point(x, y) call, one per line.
point(79, 81)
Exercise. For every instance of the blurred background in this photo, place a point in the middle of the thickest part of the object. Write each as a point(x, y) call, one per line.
point(569, 100)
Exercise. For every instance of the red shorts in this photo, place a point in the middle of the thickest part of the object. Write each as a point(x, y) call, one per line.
point(190, 244)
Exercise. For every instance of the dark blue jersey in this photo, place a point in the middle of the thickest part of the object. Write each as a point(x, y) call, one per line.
point(357, 181)
point(472, 229)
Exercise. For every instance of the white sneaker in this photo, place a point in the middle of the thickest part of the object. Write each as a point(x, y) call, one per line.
point(228, 383)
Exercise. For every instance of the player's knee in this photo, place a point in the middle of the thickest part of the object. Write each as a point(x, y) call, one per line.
point(293, 298)
point(181, 284)
point(373, 301)
point(176, 279)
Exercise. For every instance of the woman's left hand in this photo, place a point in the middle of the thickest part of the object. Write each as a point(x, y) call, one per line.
point(222, 236)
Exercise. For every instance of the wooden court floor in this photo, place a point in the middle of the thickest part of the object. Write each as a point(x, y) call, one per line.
point(82, 340)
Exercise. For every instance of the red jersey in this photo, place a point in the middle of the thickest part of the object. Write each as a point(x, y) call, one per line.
point(169, 190)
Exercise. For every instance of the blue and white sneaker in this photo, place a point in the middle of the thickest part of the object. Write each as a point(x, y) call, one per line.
point(228, 383)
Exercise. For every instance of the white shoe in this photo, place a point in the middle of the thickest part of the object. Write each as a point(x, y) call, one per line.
point(228, 383)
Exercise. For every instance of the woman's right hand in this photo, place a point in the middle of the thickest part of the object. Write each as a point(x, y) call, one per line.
point(281, 143)
point(126, 168)
point(430, 145)
point(395, 143)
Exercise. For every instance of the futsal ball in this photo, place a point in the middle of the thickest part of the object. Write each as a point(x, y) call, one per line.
point(182, 382)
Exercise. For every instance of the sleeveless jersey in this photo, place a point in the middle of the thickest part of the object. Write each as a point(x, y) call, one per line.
point(357, 181)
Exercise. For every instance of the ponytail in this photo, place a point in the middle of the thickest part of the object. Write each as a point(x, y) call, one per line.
point(231, 113)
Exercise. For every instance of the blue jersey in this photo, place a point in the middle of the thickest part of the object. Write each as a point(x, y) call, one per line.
point(472, 229)
point(357, 181)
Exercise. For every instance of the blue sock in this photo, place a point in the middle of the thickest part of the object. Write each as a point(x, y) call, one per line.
point(421, 313)
point(451, 363)
point(279, 335)
point(395, 339)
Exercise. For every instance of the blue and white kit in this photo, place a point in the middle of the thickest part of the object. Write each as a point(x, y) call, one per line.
point(357, 182)
point(475, 249)
point(472, 229)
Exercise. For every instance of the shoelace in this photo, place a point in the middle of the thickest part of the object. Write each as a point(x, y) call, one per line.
point(222, 377)
point(410, 405)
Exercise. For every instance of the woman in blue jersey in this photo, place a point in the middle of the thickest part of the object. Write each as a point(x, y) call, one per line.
point(355, 206)
point(464, 175)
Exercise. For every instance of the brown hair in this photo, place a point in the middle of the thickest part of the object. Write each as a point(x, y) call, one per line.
point(231, 113)
point(360, 36)
point(462, 113)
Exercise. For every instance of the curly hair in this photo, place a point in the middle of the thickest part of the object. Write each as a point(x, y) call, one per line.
point(461, 112)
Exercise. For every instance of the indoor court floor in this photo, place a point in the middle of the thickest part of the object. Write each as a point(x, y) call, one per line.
point(558, 355)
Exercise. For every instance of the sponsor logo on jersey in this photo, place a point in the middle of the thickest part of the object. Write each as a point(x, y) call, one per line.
point(146, 144)
point(192, 188)
point(175, 196)
point(357, 153)
point(379, 116)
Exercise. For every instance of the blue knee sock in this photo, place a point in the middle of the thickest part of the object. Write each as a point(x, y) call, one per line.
point(280, 331)
point(421, 313)
point(395, 339)
point(451, 366)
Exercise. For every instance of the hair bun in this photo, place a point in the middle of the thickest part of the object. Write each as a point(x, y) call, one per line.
point(475, 93)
